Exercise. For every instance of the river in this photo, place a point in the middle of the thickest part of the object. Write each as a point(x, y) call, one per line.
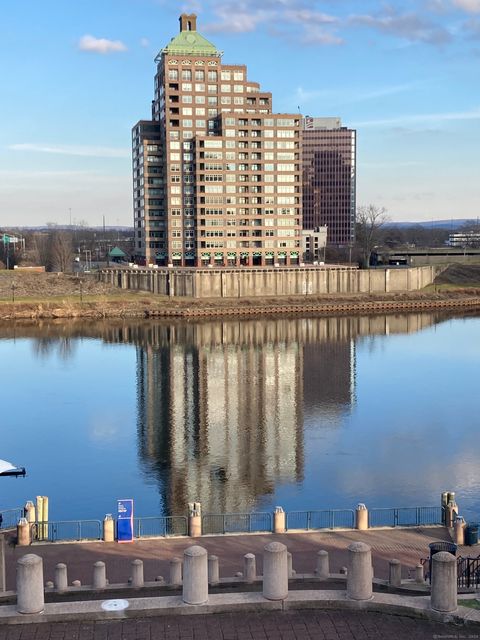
point(242, 415)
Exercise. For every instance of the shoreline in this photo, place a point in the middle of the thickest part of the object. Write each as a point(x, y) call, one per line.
point(149, 307)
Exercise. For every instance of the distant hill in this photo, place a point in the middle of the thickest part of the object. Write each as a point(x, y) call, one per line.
point(437, 224)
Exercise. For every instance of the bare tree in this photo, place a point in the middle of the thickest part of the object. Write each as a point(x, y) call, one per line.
point(370, 219)
point(62, 251)
point(42, 246)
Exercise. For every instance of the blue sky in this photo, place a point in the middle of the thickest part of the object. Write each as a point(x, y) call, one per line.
point(77, 75)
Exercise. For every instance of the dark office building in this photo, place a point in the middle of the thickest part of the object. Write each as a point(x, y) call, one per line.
point(329, 178)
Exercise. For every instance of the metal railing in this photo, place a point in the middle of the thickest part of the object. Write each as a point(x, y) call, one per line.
point(9, 518)
point(322, 519)
point(154, 527)
point(67, 530)
point(237, 522)
point(468, 573)
point(405, 517)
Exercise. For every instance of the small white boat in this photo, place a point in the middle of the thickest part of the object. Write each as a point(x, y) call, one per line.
point(8, 469)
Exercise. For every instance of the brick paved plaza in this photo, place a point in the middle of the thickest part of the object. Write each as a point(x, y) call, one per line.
point(407, 545)
point(305, 625)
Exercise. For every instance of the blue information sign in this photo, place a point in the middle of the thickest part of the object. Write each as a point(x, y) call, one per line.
point(125, 520)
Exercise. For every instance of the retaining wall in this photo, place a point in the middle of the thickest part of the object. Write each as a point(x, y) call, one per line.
point(264, 282)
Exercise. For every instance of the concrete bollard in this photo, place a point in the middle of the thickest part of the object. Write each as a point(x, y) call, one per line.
point(395, 573)
point(444, 582)
point(194, 519)
point(451, 512)
point(359, 576)
point(29, 510)
point(195, 575)
point(249, 567)
point(108, 528)
point(361, 517)
point(60, 580)
point(323, 568)
point(213, 573)
point(419, 574)
point(30, 594)
point(275, 571)
point(23, 533)
point(137, 574)
point(459, 530)
point(175, 572)
point(279, 520)
point(99, 575)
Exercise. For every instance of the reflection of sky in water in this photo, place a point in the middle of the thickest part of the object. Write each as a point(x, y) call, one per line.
point(414, 429)
point(405, 430)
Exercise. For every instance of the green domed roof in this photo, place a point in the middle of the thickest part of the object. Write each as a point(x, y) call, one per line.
point(191, 43)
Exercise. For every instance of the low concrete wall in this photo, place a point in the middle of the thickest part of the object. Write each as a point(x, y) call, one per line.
point(264, 282)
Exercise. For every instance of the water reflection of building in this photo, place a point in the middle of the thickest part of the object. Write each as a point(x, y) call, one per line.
point(329, 381)
point(220, 422)
point(222, 404)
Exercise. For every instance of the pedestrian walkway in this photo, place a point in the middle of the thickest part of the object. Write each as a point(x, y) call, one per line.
point(406, 545)
point(301, 625)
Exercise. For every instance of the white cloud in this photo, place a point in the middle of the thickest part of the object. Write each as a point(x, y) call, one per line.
point(409, 26)
point(306, 16)
point(100, 45)
point(306, 25)
point(235, 21)
point(471, 6)
point(73, 150)
point(144, 42)
point(314, 34)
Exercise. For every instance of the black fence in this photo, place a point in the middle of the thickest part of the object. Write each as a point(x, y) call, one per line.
point(67, 530)
point(405, 517)
point(322, 519)
point(155, 527)
point(9, 518)
point(237, 523)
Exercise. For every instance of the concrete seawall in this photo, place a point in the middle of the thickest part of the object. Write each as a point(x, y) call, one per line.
point(284, 281)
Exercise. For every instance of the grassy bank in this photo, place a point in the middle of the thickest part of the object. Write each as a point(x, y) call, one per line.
point(131, 305)
point(48, 296)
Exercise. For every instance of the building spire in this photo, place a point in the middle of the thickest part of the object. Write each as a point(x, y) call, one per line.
point(188, 22)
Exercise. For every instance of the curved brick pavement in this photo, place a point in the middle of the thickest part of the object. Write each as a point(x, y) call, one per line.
point(407, 545)
point(305, 625)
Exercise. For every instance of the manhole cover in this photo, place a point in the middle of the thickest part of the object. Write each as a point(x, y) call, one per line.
point(114, 605)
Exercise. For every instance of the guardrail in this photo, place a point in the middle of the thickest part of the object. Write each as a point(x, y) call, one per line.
point(67, 530)
point(468, 573)
point(405, 517)
point(154, 527)
point(237, 522)
point(9, 518)
point(322, 519)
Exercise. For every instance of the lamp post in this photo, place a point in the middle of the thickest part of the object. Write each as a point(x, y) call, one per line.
point(13, 291)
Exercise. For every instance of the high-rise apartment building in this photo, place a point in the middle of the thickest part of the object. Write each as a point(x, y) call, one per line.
point(216, 175)
point(329, 178)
